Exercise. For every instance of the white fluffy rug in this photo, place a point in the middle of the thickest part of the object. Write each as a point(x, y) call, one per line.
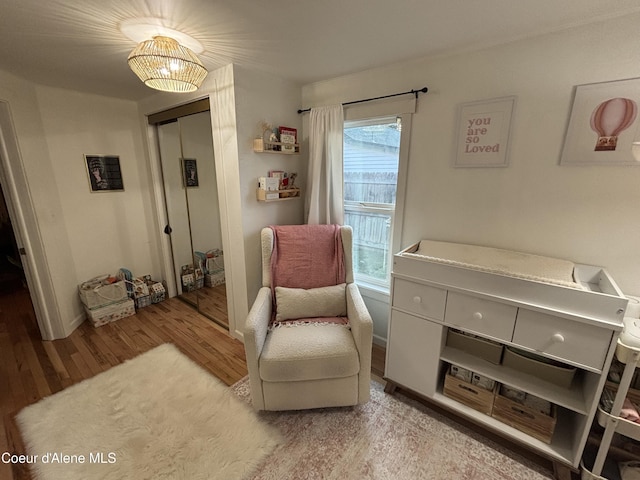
point(157, 416)
point(389, 438)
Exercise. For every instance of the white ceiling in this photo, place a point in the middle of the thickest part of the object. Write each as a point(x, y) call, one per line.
point(77, 43)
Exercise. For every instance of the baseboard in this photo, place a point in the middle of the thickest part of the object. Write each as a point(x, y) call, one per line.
point(378, 340)
point(68, 329)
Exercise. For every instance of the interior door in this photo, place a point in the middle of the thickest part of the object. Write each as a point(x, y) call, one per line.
point(191, 195)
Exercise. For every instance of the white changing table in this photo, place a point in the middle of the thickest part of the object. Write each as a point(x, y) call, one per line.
point(577, 325)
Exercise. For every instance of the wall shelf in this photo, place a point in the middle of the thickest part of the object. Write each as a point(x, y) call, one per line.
point(288, 194)
point(260, 146)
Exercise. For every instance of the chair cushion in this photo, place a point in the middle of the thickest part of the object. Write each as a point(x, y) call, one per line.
point(308, 352)
point(293, 303)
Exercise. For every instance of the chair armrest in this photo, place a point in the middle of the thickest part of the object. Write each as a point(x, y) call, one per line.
point(362, 330)
point(257, 323)
point(359, 317)
point(255, 333)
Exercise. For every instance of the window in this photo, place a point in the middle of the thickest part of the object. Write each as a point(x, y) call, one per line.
point(371, 165)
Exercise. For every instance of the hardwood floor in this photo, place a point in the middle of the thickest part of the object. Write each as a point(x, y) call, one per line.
point(210, 301)
point(31, 369)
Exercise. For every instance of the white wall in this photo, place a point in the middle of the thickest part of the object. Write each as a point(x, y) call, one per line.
point(585, 214)
point(261, 97)
point(106, 230)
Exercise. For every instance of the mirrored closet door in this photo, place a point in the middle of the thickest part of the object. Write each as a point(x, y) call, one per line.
point(193, 212)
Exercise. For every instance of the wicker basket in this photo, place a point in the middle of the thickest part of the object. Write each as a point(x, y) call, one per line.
point(143, 301)
point(156, 291)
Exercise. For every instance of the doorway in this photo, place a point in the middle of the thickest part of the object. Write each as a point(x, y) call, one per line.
point(192, 206)
point(12, 278)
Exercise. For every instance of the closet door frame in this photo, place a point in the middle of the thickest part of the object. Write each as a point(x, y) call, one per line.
point(227, 175)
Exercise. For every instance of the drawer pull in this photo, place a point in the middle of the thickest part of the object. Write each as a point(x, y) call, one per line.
point(557, 338)
point(477, 316)
point(417, 299)
point(468, 389)
point(519, 411)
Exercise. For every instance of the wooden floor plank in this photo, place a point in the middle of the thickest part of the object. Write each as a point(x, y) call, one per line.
point(83, 349)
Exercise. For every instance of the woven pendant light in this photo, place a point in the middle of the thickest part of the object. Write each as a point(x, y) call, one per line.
point(162, 63)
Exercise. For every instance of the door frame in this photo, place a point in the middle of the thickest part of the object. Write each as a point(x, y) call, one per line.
point(23, 217)
point(234, 292)
point(219, 87)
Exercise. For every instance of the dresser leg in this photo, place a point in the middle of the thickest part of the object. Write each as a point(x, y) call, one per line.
point(390, 387)
point(561, 471)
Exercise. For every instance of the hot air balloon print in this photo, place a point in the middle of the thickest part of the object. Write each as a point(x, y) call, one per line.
point(610, 118)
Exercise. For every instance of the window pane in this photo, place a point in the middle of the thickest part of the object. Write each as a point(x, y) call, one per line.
point(371, 240)
point(371, 163)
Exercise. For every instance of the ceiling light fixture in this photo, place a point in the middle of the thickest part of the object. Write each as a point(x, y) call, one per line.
point(162, 63)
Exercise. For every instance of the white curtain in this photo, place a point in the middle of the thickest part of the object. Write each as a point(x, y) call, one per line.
point(324, 198)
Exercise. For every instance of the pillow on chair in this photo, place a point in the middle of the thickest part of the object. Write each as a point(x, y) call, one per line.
point(294, 303)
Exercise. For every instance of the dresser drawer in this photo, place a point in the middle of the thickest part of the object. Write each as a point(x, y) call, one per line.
point(419, 299)
point(562, 338)
point(477, 315)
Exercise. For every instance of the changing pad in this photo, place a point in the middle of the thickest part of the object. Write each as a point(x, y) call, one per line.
point(502, 262)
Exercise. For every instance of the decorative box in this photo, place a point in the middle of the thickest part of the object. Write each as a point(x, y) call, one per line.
point(110, 313)
point(213, 279)
point(473, 396)
point(528, 420)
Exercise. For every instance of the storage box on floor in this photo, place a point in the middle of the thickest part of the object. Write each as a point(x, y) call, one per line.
point(105, 300)
point(143, 290)
point(522, 411)
point(214, 274)
point(147, 291)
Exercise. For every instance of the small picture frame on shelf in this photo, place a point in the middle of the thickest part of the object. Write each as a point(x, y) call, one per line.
point(288, 135)
point(288, 139)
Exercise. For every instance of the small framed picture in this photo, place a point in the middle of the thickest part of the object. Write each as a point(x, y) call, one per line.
point(483, 133)
point(190, 172)
point(104, 173)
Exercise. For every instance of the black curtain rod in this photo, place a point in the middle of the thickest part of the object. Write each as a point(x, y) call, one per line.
point(414, 92)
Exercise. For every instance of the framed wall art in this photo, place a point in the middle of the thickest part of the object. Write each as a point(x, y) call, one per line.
point(603, 124)
point(104, 173)
point(483, 132)
point(190, 172)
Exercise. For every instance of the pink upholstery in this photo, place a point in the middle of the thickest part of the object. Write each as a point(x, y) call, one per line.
point(307, 256)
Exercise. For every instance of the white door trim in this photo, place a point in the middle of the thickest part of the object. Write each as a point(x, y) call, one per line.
point(25, 225)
